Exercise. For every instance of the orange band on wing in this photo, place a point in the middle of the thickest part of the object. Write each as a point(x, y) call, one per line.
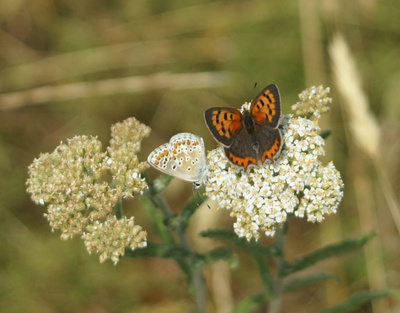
point(264, 107)
point(241, 161)
point(226, 123)
point(159, 157)
point(272, 151)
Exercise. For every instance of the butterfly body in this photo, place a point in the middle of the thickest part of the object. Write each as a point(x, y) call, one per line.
point(182, 157)
point(248, 122)
point(251, 136)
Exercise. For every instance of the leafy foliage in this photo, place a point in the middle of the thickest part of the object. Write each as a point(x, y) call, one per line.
point(154, 250)
point(252, 245)
point(304, 281)
point(334, 250)
point(250, 303)
point(325, 133)
point(357, 300)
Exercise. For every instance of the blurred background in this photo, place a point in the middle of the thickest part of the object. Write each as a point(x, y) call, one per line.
point(71, 67)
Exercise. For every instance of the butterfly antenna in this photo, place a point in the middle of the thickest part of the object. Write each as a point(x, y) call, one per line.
point(197, 192)
point(252, 92)
point(204, 200)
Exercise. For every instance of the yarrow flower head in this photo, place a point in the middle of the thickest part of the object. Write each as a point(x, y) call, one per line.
point(296, 183)
point(314, 101)
point(72, 182)
point(111, 237)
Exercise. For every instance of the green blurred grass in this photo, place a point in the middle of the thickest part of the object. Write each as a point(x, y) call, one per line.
point(46, 43)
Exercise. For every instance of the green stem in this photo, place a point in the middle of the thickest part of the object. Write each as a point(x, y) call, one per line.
point(275, 304)
point(118, 210)
point(265, 275)
point(197, 280)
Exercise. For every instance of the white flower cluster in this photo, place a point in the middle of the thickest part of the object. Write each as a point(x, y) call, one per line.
point(261, 198)
point(314, 101)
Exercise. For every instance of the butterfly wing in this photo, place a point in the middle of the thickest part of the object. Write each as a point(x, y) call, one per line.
point(241, 152)
point(160, 157)
point(266, 106)
point(190, 153)
point(223, 124)
point(183, 157)
point(270, 141)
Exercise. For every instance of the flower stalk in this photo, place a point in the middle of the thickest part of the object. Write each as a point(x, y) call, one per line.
point(194, 273)
point(276, 302)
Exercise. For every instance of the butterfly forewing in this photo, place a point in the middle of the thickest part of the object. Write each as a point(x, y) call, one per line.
point(266, 106)
point(223, 123)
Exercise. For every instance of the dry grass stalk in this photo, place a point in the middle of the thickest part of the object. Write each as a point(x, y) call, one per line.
point(366, 133)
point(133, 84)
point(363, 125)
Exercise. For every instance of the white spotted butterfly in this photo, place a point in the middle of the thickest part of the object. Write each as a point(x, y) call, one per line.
point(182, 157)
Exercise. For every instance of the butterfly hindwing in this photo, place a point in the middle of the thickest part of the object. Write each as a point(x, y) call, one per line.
point(266, 106)
point(189, 154)
point(223, 123)
point(270, 143)
point(241, 152)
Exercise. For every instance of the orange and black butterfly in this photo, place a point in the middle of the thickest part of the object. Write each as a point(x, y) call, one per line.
point(251, 136)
